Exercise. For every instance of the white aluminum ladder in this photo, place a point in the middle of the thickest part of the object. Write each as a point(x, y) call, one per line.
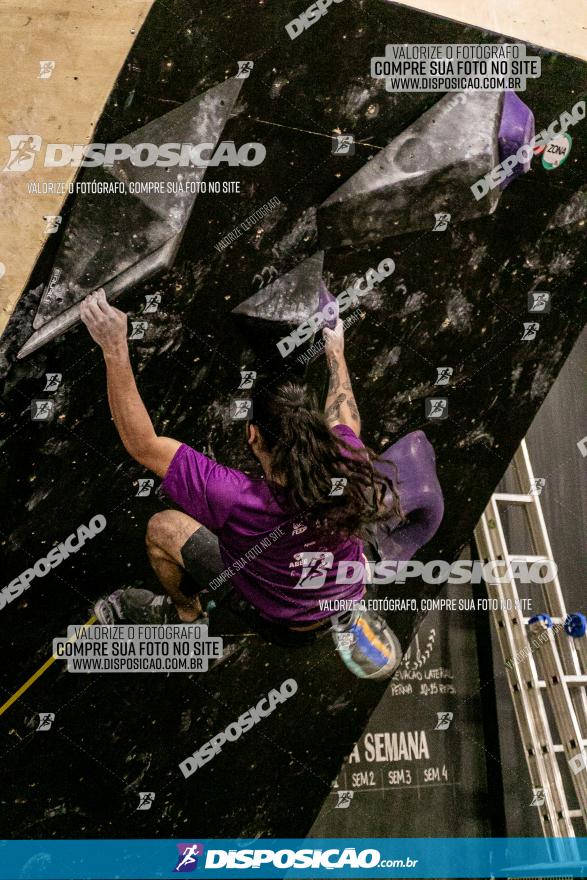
point(538, 663)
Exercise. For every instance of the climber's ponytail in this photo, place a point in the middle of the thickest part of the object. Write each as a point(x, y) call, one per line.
point(311, 462)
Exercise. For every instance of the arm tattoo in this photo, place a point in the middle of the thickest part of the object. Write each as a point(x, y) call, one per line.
point(353, 407)
point(340, 394)
point(333, 411)
point(334, 376)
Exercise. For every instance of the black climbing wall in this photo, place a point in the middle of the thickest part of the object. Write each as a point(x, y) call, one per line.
point(457, 298)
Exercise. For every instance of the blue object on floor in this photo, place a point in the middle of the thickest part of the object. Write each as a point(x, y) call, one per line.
point(576, 625)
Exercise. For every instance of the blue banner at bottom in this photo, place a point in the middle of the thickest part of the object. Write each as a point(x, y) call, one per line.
point(349, 857)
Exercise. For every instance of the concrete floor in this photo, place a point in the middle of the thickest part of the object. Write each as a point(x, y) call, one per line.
point(559, 26)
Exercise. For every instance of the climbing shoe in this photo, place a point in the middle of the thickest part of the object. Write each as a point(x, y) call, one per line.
point(108, 610)
point(367, 646)
point(143, 606)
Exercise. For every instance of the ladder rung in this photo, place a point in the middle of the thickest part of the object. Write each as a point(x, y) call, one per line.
point(571, 680)
point(525, 557)
point(575, 814)
point(576, 680)
point(558, 747)
point(512, 498)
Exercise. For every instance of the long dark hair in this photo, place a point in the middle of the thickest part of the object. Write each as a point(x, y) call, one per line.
point(306, 456)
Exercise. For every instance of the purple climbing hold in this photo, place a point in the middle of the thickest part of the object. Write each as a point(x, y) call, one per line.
point(328, 305)
point(410, 466)
point(516, 129)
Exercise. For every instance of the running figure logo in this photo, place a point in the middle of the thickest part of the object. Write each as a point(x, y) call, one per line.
point(441, 222)
point(343, 145)
point(538, 797)
point(241, 410)
point(23, 151)
point(138, 329)
point(344, 640)
point(46, 68)
point(146, 799)
point(188, 857)
point(316, 567)
point(443, 375)
point(444, 719)
point(52, 381)
point(538, 484)
point(436, 408)
point(337, 485)
point(46, 720)
point(578, 762)
point(344, 799)
point(42, 410)
point(145, 486)
point(530, 331)
point(52, 223)
point(245, 68)
point(539, 301)
point(152, 303)
point(247, 379)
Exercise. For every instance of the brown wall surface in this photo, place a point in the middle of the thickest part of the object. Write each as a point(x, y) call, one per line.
point(88, 43)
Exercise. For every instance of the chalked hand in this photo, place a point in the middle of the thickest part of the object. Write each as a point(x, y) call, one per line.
point(334, 339)
point(106, 325)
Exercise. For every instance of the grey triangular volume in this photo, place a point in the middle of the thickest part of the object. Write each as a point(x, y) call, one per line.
point(105, 237)
point(291, 298)
point(156, 261)
point(427, 169)
point(200, 120)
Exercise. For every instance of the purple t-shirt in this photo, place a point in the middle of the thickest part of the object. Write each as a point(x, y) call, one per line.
point(279, 564)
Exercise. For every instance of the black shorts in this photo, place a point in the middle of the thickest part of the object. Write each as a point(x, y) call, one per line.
point(202, 559)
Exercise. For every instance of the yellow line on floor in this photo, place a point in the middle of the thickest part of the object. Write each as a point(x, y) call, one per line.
point(42, 669)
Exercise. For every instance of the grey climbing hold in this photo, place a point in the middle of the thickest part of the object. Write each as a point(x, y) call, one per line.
point(291, 298)
point(118, 241)
point(428, 168)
